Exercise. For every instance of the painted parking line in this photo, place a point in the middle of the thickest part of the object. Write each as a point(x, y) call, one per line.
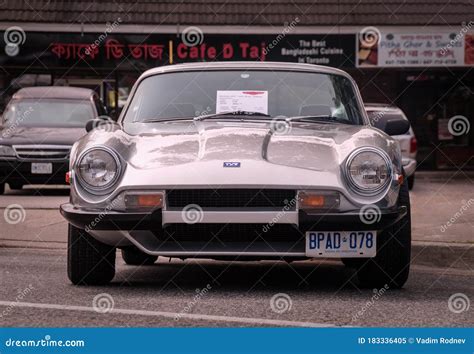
point(171, 315)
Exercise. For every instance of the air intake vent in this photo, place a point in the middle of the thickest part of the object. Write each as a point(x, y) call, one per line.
point(231, 198)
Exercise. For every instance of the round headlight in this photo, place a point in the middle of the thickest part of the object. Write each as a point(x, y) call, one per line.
point(98, 168)
point(368, 171)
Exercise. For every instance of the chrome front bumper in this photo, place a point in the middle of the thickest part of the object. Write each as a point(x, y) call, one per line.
point(219, 233)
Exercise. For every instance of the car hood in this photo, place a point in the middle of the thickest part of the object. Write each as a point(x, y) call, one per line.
point(313, 146)
point(26, 135)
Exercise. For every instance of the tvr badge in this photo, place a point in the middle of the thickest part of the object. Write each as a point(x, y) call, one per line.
point(231, 164)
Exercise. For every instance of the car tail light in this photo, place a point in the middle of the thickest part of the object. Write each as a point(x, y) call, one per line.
point(413, 145)
point(318, 200)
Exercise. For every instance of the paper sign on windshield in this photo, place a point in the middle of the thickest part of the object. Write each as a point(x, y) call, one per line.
point(252, 101)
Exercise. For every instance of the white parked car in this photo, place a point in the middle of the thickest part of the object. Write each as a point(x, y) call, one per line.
point(240, 161)
point(407, 141)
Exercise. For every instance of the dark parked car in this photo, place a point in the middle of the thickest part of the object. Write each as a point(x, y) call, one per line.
point(37, 130)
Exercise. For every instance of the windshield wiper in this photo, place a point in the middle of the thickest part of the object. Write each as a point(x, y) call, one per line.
point(239, 114)
point(321, 118)
point(168, 119)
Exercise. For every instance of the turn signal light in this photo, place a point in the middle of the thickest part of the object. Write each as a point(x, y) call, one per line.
point(68, 177)
point(318, 200)
point(144, 201)
point(400, 179)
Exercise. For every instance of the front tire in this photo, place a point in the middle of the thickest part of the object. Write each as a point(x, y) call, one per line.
point(391, 265)
point(411, 181)
point(133, 256)
point(89, 262)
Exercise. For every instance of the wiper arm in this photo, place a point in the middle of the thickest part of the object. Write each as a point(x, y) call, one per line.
point(168, 119)
point(233, 113)
point(320, 118)
point(209, 116)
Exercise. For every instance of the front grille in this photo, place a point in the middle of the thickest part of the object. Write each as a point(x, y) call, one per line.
point(42, 152)
point(231, 198)
point(225, 233)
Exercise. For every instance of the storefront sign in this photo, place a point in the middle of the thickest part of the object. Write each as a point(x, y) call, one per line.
point(415, 50)
point(132, 51)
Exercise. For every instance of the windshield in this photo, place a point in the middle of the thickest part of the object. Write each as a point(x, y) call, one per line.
point(48, 112)
point(274, 93)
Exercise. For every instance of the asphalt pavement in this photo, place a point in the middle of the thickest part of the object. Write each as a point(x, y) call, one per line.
point(238, 294)
point(35, 290)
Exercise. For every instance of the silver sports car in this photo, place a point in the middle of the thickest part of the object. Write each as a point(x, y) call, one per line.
point(240, 161)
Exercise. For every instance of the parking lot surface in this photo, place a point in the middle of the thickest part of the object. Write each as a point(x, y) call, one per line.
point(36, 292)
point(239, 294)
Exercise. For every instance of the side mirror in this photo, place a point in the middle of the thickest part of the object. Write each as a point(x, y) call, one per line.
point(397, 126)
point(103, 122)
point(391, 125)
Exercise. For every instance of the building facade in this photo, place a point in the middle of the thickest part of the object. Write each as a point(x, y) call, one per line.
point(416, 55)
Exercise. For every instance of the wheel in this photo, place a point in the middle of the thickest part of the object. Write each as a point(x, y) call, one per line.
point(411, 181)
point(89, 262)
point(15, 186)
point(2, 188)
point(391, 265)
point(133, 256)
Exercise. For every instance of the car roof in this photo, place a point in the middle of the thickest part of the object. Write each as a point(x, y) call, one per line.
point(244, 65)
point(54, 92)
